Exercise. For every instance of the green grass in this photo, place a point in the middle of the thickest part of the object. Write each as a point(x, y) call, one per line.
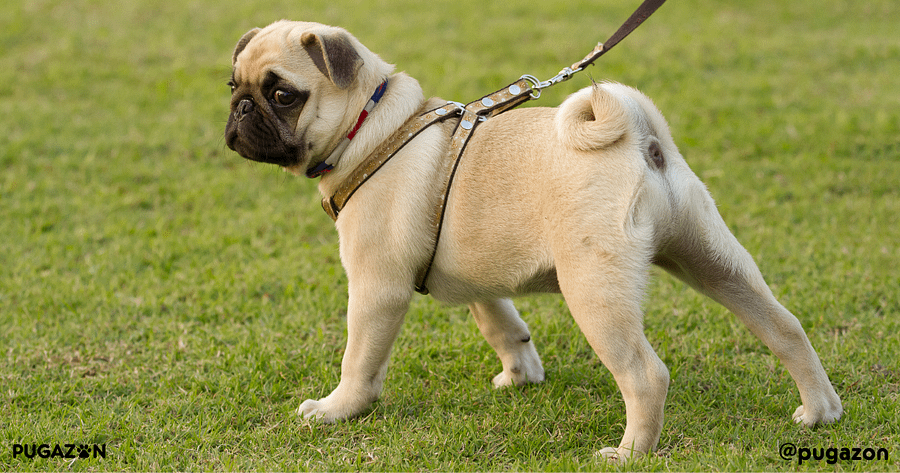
point(164, 297)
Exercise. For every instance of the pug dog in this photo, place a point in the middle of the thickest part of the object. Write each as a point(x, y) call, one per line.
point(581, 200)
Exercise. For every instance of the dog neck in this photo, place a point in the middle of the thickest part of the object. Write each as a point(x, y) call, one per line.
point(328, 164)
point(401, 101)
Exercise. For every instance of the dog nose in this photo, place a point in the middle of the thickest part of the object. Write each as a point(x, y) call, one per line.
point(243, 108)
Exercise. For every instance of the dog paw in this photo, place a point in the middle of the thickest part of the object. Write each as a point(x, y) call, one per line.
point(512, 378)
point(618, 456)
point(311, 409)
point(325, 410)
point(822, 415)
point(525, 369)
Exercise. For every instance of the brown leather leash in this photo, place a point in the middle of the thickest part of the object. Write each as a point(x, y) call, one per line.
point(469, 115)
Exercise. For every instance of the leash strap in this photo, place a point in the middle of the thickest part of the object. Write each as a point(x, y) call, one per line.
point(639, 16)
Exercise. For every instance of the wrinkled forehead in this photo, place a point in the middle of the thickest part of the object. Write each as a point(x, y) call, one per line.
point(275, 49)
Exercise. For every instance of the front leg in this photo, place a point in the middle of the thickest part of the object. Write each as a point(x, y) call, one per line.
point(374, 317)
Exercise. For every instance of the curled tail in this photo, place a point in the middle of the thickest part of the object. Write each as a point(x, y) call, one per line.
point(590, 119)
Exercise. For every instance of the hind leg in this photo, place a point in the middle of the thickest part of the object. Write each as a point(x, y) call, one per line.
point(603, 288)
point(508, 334)
point(709, 257)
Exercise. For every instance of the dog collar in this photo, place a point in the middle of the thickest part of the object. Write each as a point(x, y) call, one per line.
point(327, 165)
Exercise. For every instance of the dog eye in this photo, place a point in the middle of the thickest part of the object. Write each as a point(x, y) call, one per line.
point(285, 98)
point(231, 85)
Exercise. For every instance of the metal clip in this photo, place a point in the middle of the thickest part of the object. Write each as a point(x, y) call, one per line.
point(562, 76)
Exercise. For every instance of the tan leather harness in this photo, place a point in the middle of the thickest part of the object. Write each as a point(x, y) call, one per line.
point(469, 116)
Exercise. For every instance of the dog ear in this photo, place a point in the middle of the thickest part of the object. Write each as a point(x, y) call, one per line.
point(334, 55)
point(242, 43)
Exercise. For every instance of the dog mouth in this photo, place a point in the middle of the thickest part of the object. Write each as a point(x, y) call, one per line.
point(256, 139)
point(264, 151)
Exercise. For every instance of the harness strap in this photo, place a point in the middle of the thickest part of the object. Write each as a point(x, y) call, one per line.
point(334, 204)
point(488, 106)
point(474, 113)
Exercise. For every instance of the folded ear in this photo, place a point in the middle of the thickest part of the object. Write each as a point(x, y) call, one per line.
point(242, 43)
point(334, 55)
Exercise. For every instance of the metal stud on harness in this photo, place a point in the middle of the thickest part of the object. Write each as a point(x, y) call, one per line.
point(470, 115)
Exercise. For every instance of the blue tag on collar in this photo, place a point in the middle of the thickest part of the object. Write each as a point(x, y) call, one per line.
point(321, 168)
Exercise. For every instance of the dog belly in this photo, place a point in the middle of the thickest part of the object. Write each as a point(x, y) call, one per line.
point(493, 281)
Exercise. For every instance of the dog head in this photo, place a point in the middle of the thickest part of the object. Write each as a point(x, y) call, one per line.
point(296, 89)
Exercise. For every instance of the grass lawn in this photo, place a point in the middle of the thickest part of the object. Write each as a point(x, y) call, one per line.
point(163, 297)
